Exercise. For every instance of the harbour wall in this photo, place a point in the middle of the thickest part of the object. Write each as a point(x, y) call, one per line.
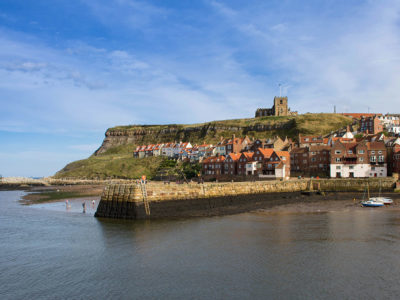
point(158, 200)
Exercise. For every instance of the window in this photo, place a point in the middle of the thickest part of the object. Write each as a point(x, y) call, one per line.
point(372, 152)
point(373, 159)
point(379, 152)
point(338, 152)
point(313, 153)
point(373, 168)
point(306, 139)
point(338, 159)
point(304, 161)
point(381, 158)
point(360, 151)
point(351, 167)
point(313, 159)
point(338, 167)
point(361, 159)
point(350, 152)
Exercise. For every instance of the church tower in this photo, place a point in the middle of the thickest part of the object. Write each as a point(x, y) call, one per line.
point(281, 106)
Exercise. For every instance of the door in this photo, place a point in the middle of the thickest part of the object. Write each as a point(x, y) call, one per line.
point(338, 174)
point(352, 174)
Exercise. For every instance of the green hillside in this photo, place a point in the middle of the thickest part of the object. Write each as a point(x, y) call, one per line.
point(114, 158)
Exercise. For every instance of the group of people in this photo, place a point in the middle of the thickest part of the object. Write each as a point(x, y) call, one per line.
point(68, 205)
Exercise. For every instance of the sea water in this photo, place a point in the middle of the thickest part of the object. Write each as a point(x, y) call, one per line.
point(49, 252)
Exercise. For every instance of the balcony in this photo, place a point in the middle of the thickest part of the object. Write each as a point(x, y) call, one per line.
point(349, 160)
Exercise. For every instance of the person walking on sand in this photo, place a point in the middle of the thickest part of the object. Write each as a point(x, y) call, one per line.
point(67, 205)
point(93, 203)
point(84, 207)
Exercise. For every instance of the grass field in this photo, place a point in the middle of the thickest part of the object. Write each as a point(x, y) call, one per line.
point(108, 166)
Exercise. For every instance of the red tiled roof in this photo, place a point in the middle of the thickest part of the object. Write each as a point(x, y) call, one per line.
point(234, 156)
point(248, 155)
point(266, 152)
point(360, 115)
point(214, 159)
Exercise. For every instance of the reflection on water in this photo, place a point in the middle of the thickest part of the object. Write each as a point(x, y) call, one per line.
point(48, 252)
point(88, 206)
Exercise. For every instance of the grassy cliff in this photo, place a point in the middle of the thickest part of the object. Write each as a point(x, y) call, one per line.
point(114, 158)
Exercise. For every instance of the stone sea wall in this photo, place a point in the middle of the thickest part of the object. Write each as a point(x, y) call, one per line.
point(178, 200)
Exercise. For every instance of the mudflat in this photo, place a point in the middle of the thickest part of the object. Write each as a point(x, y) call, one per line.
point(60, 192)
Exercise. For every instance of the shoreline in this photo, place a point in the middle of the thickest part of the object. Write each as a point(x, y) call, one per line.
point(271, 203)
point(59, 193)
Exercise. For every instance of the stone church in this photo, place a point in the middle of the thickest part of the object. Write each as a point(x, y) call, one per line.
point(280, 108)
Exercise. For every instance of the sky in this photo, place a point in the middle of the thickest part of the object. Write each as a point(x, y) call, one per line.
point(71, 69)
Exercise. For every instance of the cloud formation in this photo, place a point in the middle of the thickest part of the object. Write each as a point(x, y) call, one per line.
point(106, 63)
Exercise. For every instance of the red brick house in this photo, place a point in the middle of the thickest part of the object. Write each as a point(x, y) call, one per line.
point(268, 159)
point(245, 157)
point(231, 163)
point(319, 160)
point(371, 125)
point(312, 140)
point(213, 165)
point(299, 160)
point(396, 159)
point(236, 145)
point(362, 159)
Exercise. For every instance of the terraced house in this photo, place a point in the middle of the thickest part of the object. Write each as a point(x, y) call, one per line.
point(213, 165)
point(359, 159)
point(236, 145)
point(231, 163)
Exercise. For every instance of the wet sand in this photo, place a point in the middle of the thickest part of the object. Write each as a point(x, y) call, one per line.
point(329, 203)
point(323, 207)
point(61, 193)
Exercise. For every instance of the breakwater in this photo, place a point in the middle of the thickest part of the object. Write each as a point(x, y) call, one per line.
point(158, 200)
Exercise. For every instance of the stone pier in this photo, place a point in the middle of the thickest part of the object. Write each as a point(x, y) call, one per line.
point(158, 200)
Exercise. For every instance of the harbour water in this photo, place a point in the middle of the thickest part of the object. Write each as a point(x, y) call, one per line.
point(48, 252)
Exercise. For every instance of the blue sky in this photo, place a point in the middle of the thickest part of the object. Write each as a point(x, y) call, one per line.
point(71, 69)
